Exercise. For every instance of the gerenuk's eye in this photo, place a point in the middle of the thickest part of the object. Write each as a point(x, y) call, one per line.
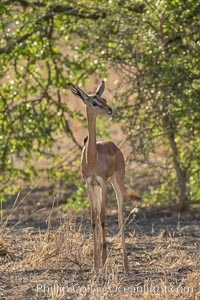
point(94, 103)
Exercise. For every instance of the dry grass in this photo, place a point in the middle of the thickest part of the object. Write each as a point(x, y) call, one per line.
point(3, 247)
point(56, 262)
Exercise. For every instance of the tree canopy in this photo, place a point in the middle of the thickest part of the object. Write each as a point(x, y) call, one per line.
point(154, 47)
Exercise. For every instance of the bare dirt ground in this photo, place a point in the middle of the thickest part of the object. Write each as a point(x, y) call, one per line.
point(48, 253)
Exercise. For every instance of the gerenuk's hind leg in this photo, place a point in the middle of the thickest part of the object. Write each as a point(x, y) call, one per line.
point(118, 184)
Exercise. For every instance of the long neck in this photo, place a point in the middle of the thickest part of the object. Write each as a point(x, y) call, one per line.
point(91, 151)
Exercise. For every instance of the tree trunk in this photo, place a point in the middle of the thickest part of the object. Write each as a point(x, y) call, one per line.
point(180, 172)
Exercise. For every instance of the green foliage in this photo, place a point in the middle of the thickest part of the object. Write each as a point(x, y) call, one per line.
point(39, 55)
point(153, 46)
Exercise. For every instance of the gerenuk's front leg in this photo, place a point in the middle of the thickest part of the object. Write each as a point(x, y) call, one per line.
point(94, 223)
point(102, 223)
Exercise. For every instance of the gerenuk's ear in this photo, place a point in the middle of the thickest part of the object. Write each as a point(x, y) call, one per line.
point(100, 89)
point(78, 92)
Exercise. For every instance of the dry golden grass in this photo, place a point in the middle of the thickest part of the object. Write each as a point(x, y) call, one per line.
point(56, 261)
point(3, 247)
